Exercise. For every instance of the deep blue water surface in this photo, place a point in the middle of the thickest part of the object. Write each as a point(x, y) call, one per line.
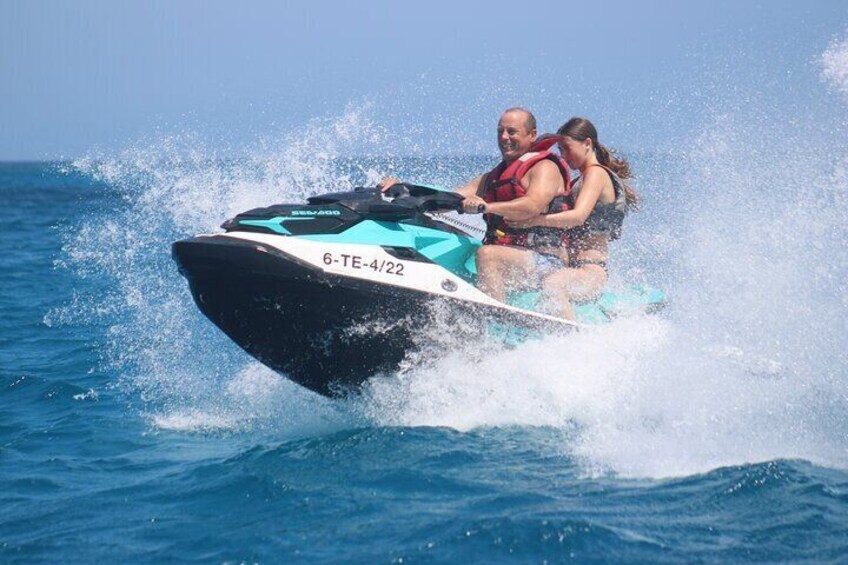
point(131, 430)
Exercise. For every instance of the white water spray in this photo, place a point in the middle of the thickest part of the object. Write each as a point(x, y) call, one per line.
point(749, 364)
point(834, 65)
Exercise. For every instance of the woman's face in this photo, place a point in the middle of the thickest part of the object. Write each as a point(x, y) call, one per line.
point(575, 152)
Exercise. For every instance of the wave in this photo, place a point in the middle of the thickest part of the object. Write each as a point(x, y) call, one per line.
point(747, 365)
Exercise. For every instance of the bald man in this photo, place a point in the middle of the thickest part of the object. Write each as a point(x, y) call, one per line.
point(525, 183)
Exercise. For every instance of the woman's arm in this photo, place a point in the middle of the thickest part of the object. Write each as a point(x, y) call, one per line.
point(593, 184)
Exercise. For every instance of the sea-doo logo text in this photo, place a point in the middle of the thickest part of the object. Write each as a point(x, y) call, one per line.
point(316, 213)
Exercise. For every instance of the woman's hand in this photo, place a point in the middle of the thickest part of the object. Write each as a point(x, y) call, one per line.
point(387, 183)
point(473, 205)
point(524, 224)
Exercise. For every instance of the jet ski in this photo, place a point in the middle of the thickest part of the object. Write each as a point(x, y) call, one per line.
point(334, 291)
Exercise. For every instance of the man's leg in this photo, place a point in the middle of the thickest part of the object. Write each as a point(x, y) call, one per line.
point(501, 268)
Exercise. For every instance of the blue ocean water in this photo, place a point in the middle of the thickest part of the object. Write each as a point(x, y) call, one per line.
point(132, 429)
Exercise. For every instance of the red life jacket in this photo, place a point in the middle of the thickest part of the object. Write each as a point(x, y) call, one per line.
point(503, 183)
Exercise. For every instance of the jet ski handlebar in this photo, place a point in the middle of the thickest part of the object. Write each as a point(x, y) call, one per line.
point(402, 200)
point(428, 199)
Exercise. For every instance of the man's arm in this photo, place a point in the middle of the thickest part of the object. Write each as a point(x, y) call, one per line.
point(471, 188)
point(593, 182)
point(543, 184)
point(467, 190)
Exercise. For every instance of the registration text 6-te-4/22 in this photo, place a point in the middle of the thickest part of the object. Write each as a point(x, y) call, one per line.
point(358, 262)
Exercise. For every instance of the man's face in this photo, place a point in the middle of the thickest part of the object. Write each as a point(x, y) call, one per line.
point(514, 139)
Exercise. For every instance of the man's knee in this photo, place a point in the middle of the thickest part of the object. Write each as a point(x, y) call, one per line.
point(492, 258)
point(487, 254)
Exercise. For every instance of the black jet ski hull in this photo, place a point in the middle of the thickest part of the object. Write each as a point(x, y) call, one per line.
point(326, 332)
point(294, 319)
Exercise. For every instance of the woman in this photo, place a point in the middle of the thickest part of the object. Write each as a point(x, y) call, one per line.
point(600, 198)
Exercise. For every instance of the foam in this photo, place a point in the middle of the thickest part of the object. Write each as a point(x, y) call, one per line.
point(834, 65)
point(747, 365)
point(257, 401)
point(182, 367)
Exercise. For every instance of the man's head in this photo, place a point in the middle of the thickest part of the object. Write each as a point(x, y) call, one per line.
point(516, 133)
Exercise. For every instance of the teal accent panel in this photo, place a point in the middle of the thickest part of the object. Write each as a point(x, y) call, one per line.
point(445, 249)
point(471, 265)
point(590, 313)
point(447, 253)
point(275, 224)
point(510, 336)
point(629, 300)
point(524, 300)
point(370, 232)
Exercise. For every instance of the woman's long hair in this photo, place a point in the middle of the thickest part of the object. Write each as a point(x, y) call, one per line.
point(582, 129)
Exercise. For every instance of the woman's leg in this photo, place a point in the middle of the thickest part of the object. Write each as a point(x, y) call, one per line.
point(565, 285)
point(500, 268)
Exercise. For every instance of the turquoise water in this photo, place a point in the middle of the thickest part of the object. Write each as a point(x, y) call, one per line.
point(130, 429)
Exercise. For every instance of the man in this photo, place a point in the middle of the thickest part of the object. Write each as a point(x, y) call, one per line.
point(522, 186)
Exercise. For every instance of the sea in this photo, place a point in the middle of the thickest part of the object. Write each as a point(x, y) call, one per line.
point(132, 430)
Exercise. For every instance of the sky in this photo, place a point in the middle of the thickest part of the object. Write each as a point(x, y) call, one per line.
point(87, 75)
